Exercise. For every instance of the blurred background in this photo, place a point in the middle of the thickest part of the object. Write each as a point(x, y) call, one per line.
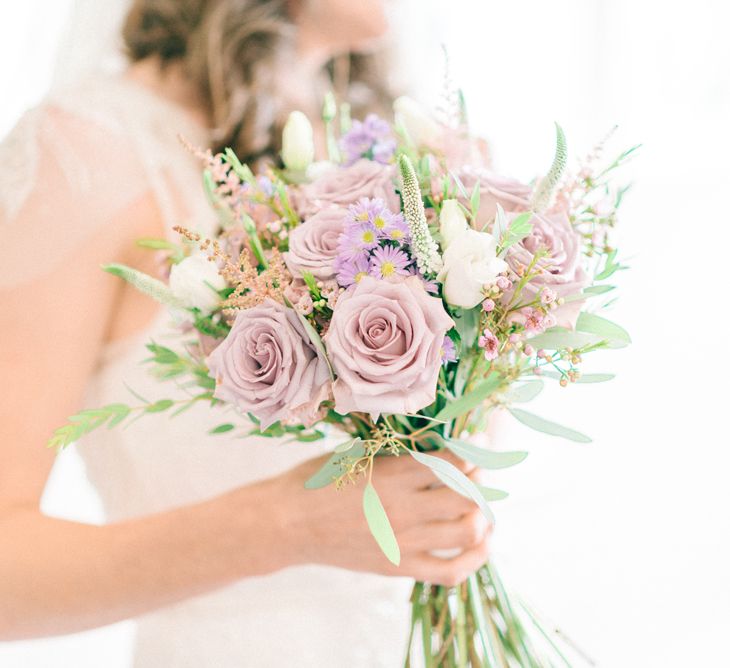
point(623, 543)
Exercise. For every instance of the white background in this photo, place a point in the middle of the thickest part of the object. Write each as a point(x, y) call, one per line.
point(623, 542)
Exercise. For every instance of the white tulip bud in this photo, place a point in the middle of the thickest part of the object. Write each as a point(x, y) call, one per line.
point(452, 222)
point(297, 142)
point(195, 282)
point(420, 127)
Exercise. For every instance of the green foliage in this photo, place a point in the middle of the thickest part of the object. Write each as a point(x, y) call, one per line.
point(337, 465)
point(474, 201)
point(466, 323)
point(379, 524)
point(176, 252)
point(610, 266)
point(448, 474)
point(222, 428)
point(517, 230)
point(472, 399)
point(547, 427)
point(86, 421)
point(527, 392)
point(210, 326)
point(560, 338)
point(491, 494)
point(483, 458)
point(615, 335)
point(584, 378)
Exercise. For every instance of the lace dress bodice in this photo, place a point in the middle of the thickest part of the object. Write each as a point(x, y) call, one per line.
point(107, 142)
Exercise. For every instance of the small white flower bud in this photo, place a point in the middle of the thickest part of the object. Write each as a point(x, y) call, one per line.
point(297, 142)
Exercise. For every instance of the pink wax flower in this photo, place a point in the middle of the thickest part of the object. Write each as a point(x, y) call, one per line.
point(490, 343)
point(534, 320)
point(267, 366)
point(385, 341)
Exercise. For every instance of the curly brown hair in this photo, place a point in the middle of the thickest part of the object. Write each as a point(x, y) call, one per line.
point(234, 51)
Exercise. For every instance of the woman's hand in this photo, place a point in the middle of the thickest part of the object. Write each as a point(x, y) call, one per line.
point(328, 526)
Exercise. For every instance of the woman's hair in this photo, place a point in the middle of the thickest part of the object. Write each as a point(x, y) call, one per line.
point(236, 53)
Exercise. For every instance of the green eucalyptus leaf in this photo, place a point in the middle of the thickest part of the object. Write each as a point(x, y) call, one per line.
point(379, 524)
point(595, 377)
point(474, 200)
point(222, 428)
point(492, 494)
point(472, 399)
point(598, 289)
point(483, 458)
point(527, 392)
point(314, 337)
point(559, 338)
point(448, 474)
point(584, 378)
point(517, 230)
point(466, 322)
point(159, 406)
point(335, 466)
point(602, 328)
point(347, 445)
point(546, 426)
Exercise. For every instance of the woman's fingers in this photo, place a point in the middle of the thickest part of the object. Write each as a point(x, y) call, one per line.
point(448, 572)
point(463, 533)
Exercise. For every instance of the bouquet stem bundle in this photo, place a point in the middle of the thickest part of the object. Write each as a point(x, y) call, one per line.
point(478, 625)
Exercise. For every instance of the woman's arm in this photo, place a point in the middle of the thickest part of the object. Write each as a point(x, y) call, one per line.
point(58, 576)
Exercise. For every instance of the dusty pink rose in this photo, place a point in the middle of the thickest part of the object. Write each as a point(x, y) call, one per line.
point(384, 342)
point(345, 186)
point(268, 367)
point(494, 189)
point(563, 272)
point(313, 244)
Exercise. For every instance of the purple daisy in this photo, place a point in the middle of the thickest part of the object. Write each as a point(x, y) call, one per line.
point(371, 138)
point(397, 229)
point(350, 271)
point(389, 261)
point(448, 351)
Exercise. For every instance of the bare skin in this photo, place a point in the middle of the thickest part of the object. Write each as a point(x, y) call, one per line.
point(59, 576)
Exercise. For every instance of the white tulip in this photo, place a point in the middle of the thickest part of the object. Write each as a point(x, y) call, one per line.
point(420, 127)
point(297, 142)
point(470, 263)
point(452, 222)
point(195, 282)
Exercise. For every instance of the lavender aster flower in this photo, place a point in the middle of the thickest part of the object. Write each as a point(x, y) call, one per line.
point(371, 138)
point(448, 351)
point(397, 229)
point(389, 261)
point(350, 271)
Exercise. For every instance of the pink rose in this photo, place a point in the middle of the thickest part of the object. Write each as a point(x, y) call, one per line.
point(313, 244)
point(384, 342)
point(268, 367)
point(495, 189)
point(563, 272)
point(344, 186)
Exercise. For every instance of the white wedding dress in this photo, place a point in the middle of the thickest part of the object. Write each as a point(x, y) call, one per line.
point(90, 150)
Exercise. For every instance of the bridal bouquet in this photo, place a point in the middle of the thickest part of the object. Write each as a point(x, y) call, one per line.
point(398, 293)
